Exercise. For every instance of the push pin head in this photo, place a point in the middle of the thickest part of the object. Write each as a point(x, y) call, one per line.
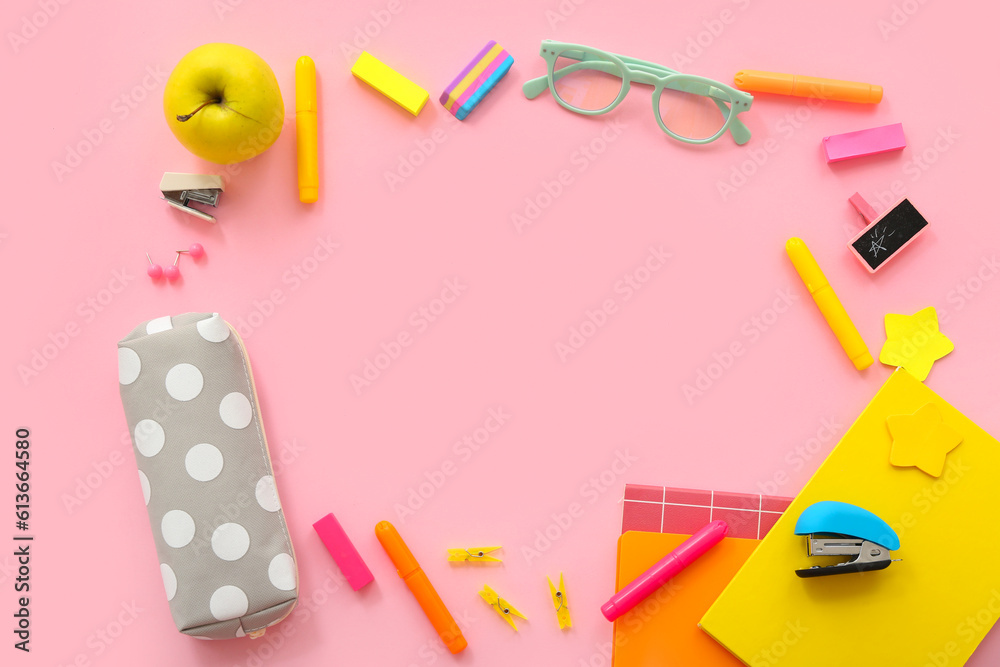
point(154, 271)
point(195, 250)
point(172, 272)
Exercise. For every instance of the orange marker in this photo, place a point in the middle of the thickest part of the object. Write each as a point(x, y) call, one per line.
point(418, 583)
point(808, 86)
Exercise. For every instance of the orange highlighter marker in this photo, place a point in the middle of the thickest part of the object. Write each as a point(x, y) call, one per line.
point(757, 81)
point(306, 130)
point(418, 583)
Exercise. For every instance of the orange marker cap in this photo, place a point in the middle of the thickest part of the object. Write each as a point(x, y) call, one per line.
point(758, 81)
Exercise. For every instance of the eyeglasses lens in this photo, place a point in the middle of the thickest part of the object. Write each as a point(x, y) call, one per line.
point(590, 85)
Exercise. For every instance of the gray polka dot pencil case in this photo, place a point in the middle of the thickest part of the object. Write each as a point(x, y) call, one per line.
point(225, 554)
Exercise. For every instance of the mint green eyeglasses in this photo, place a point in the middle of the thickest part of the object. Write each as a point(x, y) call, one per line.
point(689, 108)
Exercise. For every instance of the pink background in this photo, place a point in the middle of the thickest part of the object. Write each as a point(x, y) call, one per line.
point(97, 597)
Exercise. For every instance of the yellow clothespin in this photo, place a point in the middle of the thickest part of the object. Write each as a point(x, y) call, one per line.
point(474, 555)
point(502, 607)
point(559, 601)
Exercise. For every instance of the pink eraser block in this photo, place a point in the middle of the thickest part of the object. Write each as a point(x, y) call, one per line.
point(347, 557)
point(864, 142)
point(863, 207)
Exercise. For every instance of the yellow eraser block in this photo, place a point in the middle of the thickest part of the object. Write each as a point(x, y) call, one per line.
point(390, 83)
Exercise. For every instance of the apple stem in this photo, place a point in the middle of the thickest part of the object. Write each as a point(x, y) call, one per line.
point(187, 117)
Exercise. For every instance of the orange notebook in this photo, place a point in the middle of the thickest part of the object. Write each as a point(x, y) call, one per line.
point(663, 630)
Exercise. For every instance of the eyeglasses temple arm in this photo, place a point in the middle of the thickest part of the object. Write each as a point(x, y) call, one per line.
point(535, 87)
point(740, 132)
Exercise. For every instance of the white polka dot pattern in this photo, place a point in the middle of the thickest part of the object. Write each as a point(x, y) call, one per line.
point(230, 541)
point(228, 602)
point(149, 437)
point(186, 387)
point(178, 528)
point(236, 411)
point(129, 366)
point(267, 496)
point(169, 581)
point(184, 382)
point(204, 462)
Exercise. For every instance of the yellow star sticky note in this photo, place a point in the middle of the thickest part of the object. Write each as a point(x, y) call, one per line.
point(922, 440)
point(914, 342)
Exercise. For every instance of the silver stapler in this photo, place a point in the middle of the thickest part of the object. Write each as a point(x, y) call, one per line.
point(180, 190)
point(841, 529)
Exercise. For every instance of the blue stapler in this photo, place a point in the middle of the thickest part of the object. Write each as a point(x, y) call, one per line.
point(841, 529)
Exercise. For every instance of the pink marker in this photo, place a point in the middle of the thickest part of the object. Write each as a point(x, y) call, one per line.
point(667, 568)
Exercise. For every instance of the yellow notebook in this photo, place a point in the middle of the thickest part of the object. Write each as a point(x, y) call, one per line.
point(931, 608)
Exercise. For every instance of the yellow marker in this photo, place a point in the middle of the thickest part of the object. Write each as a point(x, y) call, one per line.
point(306, 130)
point(390, 83)
point(828, 303)
point(757, 81)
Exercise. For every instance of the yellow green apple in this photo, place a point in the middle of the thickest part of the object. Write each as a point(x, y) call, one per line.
point(223, 104)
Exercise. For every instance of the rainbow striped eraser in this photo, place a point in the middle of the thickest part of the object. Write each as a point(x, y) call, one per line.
point(478, 78)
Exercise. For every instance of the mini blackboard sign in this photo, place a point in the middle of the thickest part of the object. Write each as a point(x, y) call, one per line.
point(883, 239)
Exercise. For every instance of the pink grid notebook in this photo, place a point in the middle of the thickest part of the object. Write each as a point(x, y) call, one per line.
point(658, 509)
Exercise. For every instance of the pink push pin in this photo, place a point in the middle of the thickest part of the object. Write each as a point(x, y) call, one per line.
point(172, 272)
point(155, 271)
point(195, 250)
